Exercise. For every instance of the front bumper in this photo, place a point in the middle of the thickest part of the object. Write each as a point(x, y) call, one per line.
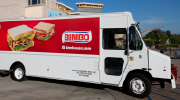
point(173, 83)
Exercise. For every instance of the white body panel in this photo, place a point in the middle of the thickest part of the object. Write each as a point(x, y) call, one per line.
point(160, 65)
point(117, 21)
point(60, 66)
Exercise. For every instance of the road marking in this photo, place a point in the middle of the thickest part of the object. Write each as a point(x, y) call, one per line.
point(171, 86)
point(167, 90)
point(163, 96)
point(149, 98)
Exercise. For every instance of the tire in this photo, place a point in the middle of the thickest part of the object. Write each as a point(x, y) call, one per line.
point(18, 73)
point(138, 85)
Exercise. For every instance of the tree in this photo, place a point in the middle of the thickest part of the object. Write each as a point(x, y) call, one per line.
point(157, 31)
point(175, 39)
point(162, 38)
point(150, 35)
point(168, 32)
point(159, 36)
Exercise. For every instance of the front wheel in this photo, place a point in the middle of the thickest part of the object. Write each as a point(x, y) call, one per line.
point(18, 73)
point(138, 85)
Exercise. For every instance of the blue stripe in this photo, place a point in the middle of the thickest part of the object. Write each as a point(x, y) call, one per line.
point(167, 90)
point(149, 98)
point(163, 96)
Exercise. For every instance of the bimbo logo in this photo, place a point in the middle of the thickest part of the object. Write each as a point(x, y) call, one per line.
point(77, 36)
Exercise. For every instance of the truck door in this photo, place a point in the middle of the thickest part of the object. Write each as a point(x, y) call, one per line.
point(137, 50)
point(113, 58)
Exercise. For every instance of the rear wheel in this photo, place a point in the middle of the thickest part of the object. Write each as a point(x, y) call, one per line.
point(18, 73)
point(138, 85)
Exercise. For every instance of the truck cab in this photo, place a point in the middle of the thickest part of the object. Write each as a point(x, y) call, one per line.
point(126, 61)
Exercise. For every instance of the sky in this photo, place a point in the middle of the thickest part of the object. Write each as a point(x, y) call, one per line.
point(150, 13)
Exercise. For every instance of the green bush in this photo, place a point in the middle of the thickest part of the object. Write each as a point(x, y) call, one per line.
point(162, 45)
point(169, 45)
point(149, 42)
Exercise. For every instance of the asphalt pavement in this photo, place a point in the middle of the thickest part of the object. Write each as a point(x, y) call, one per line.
point(48, 89)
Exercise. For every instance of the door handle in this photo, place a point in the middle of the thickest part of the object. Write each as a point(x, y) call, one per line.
point(126, 52)
point(146, 69)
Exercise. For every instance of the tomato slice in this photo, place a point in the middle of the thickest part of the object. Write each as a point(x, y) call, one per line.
point(39, 33)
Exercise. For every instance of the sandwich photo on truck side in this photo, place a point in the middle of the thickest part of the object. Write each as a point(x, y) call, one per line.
point(105, 49)
point(44, 31)
point(20, 38)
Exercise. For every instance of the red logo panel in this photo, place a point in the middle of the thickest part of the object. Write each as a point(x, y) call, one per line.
point(74, 36)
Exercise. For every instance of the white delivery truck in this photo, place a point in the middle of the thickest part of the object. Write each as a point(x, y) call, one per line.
point(103, 49)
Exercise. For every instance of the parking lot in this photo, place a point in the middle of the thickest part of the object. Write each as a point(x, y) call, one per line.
point(46, 89)
point(41, 89)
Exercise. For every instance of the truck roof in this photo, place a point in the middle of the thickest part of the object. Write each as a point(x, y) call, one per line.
point(73, 16)
point(106, 20)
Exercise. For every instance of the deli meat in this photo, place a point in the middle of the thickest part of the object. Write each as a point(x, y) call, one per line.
point(13, 44)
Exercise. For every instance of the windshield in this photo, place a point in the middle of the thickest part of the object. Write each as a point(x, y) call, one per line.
point(135, 42)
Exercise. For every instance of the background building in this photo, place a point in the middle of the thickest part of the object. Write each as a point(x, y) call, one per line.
point(15, 9)
point(88, 8)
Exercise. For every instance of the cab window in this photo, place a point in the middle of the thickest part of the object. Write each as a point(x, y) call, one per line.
point(114, 39)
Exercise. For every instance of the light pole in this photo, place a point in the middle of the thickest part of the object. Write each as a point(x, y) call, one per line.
point(158, 41)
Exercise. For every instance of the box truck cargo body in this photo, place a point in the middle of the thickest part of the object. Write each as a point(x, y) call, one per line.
point(102, 49)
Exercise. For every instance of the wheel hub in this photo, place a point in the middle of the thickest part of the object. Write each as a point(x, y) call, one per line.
point(137, 86)
point(19, 73)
